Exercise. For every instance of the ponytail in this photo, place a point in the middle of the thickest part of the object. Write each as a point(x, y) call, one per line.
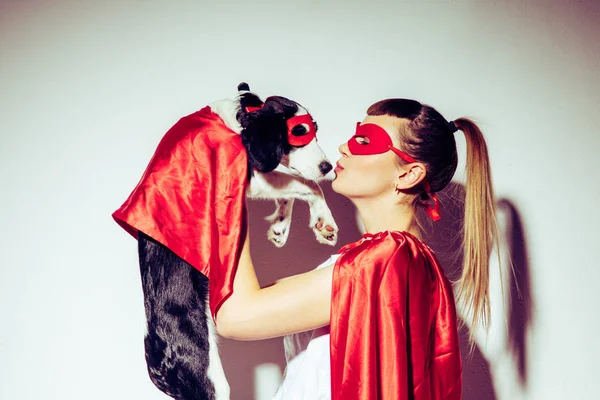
point(481, 232)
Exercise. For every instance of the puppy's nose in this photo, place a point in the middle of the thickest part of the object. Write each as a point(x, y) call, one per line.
point(325, 167)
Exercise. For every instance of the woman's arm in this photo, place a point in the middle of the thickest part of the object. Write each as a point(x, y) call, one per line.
point(295, 304)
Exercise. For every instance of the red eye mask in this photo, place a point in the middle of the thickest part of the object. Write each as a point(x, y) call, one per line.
point(307, 135)
point(369, 139)
point(373, 139)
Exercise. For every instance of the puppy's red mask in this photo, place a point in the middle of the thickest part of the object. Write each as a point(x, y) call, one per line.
point(301, 130)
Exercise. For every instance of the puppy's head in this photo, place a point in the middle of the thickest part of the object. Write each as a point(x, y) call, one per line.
point(280, 131)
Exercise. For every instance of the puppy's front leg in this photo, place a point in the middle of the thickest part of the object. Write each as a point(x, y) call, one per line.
point(321, 220)
point(280, 221)
point(277, 185)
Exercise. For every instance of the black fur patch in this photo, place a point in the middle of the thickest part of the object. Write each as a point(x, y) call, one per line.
point(176, 345)
point(264, 132)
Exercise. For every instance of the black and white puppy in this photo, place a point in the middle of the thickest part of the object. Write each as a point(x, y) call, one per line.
point(180, 345)
point(281, 171)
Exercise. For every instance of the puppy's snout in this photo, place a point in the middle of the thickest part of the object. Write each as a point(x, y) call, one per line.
point(325, 167)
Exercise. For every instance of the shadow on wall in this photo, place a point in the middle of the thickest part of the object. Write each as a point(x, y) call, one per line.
point(302, 253)
point(521, 304)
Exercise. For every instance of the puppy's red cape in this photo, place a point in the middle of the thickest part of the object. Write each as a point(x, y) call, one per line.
point(393, 323)
point(191, 198)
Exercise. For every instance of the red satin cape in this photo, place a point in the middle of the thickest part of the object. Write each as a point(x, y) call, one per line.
point(191, 198)
point(393, 332)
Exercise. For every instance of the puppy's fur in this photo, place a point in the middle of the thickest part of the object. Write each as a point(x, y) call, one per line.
point(180, 345)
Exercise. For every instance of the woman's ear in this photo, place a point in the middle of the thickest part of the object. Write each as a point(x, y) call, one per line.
point(412, 175)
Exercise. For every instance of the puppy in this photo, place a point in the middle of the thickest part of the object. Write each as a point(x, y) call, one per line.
point(284, 160)
point(283, 166)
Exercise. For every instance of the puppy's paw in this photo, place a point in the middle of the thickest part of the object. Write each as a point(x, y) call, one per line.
point(326, 231)
point(279, 230)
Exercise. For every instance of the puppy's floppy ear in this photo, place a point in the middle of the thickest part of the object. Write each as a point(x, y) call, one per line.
point(265, 133)
point(264, 141)
point(282, 105)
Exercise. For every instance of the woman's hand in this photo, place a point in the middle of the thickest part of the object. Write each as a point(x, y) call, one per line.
point(293, 304)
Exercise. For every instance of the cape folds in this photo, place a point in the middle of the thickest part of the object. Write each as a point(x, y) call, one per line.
point(393, 333)
point(191, 198)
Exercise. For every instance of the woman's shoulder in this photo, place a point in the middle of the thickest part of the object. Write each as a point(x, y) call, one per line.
point(391, 240)
point(383, 252)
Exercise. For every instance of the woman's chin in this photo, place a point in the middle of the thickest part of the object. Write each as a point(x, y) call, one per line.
point(344, 186)
point(336, 186)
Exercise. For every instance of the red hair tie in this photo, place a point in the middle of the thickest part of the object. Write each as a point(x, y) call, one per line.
point(432, 211)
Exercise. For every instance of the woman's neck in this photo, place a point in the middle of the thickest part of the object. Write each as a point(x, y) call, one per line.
point(379, 216)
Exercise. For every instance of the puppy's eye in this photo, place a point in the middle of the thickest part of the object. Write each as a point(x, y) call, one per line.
point(300, 130)
point(361, 139)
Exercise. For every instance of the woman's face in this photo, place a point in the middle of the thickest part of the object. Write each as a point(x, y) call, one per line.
point(373, 175)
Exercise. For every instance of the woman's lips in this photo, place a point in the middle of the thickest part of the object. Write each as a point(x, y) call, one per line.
point(338, 168)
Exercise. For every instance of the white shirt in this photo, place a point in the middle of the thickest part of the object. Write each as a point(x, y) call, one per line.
point(307, 374)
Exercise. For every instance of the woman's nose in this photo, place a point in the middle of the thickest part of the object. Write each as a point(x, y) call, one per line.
point(343, 149)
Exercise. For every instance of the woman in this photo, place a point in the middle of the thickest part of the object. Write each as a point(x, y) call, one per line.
point(391, 309)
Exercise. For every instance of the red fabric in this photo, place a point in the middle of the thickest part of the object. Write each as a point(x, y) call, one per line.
point(393, 323)
point(191, 198)
point(254, 108)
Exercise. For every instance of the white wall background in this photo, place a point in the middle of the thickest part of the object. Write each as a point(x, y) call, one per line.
point(88, 88)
